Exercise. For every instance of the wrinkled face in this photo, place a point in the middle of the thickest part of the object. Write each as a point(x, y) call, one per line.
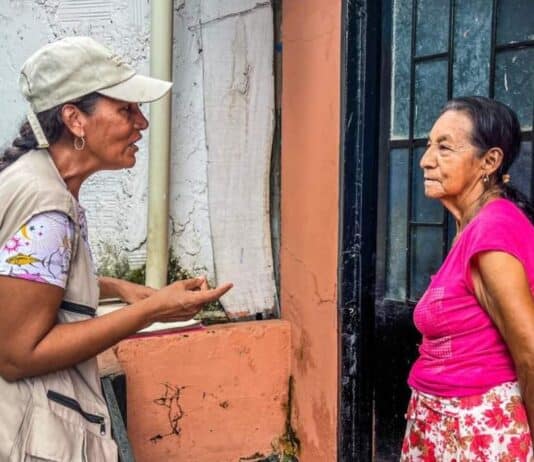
point(451, 164)
point(111, 132)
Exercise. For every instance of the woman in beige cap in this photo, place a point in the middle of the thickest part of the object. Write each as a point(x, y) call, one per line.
point(84, 117)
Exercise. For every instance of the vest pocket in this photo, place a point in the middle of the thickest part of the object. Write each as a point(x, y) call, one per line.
point(71, 403)
point(51, 438)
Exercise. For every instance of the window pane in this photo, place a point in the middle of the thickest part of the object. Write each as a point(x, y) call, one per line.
point(423, 209)
point(521, 170)
point(432, 27)
point(451, 230)
point(472, 47)
point(397, 224)
point(401, 60)
point(426, 257)
point(515, 21)
point(430, 94)
point(514, 82)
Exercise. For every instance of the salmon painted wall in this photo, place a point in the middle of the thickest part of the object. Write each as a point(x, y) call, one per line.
point(218, 394)
point(309, 215)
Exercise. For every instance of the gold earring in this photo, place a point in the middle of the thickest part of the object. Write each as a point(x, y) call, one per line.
point(79, 143)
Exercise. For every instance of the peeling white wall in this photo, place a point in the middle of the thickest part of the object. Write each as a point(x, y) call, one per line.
point(116, 202)
point(207, 78)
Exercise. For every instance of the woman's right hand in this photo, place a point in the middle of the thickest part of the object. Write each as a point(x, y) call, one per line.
point(182, 300)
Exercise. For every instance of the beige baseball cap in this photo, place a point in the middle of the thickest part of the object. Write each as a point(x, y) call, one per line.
point(73, 67)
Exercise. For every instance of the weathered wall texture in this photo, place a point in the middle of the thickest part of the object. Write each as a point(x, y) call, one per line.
point(213, 395)
point(116, 202)
point(309, 243)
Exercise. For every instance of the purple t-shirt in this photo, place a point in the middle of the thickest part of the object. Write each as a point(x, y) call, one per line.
point(462, 352)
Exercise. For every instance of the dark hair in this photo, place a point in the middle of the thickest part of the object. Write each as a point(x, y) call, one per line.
point(495, 125)
point(52, 125)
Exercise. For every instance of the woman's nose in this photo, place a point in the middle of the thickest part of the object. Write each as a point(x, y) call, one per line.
point(141, 122)
point(428, 159)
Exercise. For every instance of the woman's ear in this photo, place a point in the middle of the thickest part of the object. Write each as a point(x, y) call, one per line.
point(73, 119)
point(492, 160)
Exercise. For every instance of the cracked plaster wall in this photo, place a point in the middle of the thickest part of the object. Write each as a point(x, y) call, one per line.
point(116, 202)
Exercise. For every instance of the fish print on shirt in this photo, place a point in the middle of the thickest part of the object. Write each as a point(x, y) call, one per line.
point(40, 250)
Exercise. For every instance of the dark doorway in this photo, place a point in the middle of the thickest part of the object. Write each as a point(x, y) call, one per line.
point(402, 60)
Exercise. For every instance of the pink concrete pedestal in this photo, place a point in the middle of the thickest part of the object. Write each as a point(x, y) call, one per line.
point(212, 395)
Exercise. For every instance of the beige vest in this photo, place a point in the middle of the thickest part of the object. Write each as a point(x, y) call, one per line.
point(61, 416)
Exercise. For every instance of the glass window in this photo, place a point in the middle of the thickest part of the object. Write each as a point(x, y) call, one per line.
point(397, 224)
point(432, 35)
point(515, 21)
point(514, 82)
point(401, 64)
point(521, 170)
point(472, 49)
point(430, 94)
point(419, 229)
point(424, 210)
point(427, 254)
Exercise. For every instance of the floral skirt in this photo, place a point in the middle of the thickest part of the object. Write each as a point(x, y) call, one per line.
point(491, 427)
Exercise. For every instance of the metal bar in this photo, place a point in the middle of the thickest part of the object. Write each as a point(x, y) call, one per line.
point(411, 150)
point(450, 88)
point(431, 57)
point(400, 144)
point(117, 424)
point(360, 42)
point(424, 224)
point(491, 83)
point(515, 45)
point(384, 150)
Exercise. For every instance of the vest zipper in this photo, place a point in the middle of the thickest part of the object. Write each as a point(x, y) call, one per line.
point(77, 308)
point(71, 403)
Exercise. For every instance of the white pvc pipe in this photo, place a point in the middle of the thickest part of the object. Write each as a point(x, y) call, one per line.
point(160, 146)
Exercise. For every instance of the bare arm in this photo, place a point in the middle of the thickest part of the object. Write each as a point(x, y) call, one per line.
point(128, 292)
point(32, 343)
point(502, 287)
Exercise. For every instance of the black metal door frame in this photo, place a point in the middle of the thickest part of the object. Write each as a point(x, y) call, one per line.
point(360, 103)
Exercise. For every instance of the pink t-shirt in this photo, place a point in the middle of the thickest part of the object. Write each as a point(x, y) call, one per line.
point(462, 352)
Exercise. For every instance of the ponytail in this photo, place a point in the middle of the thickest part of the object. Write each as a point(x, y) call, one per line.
point(518, 198)
point(53, 128)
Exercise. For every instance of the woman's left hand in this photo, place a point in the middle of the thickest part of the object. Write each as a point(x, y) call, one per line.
point(131, 292)
point(127, 291)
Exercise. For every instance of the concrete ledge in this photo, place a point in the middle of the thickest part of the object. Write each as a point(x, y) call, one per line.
point(211, 395)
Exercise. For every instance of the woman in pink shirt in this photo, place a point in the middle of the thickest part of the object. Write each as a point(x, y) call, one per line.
point(473, 383)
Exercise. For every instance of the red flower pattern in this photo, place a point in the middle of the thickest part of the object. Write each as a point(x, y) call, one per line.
point(520, 447)
point(491, 427)
point(495, 418)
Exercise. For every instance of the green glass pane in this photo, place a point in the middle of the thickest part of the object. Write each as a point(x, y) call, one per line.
point(430, 94)
point(451, 230)
point(427, 245)
point(521, 170)
point(401, 61)
point(423, 209)
point(515, 21)
point(432, 33)
point(514, 82)
point(472, 48)
point(397, 224)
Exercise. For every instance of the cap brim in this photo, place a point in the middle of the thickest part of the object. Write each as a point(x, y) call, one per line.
point(138, 89)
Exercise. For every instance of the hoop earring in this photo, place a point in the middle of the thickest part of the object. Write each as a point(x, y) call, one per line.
point(79, 145)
